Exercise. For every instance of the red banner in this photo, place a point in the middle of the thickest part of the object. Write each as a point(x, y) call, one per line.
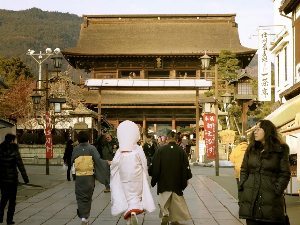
point(209, 120)
point(48, 134)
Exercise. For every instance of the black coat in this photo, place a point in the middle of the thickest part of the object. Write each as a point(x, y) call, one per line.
point(68, 155)
point(10, 160)
point(264, 177)
point(170, 169)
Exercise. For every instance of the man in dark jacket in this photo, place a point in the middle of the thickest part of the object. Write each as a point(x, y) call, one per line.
point(170, 171)
point(109, 148)
point(10, 160)
point(149, 150)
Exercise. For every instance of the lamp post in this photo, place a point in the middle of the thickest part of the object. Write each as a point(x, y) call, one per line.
point(205, 62)
point(40, 58)
point(243, 91)
point(36, 98)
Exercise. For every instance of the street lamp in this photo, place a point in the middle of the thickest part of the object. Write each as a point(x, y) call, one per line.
point(243, 93)
point(42, 57)
point(36, 98)
point(205, 62)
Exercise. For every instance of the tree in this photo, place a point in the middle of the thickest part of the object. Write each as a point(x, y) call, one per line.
point(15, 103)
point(13, 68)
point(228, 65)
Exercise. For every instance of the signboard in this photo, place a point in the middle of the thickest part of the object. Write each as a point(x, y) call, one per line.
point(209, 120)
point(264, 66)
point(293, 164)
point(48, 134)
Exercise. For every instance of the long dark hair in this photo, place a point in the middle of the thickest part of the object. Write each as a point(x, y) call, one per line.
point(272, 138)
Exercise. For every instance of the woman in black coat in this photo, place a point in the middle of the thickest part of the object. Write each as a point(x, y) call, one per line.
point(67, 158)
point(265, 174)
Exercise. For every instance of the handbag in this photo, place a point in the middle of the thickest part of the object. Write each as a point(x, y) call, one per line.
point(286, 217)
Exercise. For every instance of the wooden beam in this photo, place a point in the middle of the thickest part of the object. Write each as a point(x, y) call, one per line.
point(147, 107)
point(153, 119)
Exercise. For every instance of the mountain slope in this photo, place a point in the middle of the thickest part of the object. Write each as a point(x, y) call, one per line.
point(36, 29)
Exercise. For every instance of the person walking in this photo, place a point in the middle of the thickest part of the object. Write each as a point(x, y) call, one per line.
point(237, 156)
point(130, 191)
point(170, 171)
point(88, 166)
point(67, 158)
point(108, 148)
point(265, 174)
point(149, 150)
point(10, 162)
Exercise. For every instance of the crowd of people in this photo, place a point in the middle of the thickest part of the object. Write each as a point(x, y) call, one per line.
point(128, 161)
point(123, 165)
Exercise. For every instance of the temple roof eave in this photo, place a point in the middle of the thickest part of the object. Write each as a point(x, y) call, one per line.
point(76, 53)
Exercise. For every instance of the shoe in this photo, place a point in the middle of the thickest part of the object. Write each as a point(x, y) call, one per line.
point(164, 220)
point(10, 222)
point(133, 219)
point(106, 190)
point(84, 221)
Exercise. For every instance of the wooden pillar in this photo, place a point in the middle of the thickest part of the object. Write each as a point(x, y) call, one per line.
point(198, 74)
point(144, 129)
point(155, 127)
point(99, 113)
point(173, 123)
point(197, 125)
point(172, 74)
point(142, 74)
point(217, 165)
point(244, 116)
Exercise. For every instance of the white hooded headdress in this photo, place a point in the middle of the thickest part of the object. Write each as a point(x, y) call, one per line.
point(128, 134)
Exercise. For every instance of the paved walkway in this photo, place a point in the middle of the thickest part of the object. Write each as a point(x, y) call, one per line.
point(208, 202)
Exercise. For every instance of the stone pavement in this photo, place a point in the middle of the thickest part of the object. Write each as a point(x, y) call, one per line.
point(54, 203)
point(208, 202)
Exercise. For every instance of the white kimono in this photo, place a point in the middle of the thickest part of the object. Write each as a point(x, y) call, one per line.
point(128, 180)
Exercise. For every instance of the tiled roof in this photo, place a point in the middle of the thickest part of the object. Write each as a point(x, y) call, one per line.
point(158, 34)
point(289, 5)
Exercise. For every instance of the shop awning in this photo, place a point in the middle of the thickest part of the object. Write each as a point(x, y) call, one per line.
point(286, 112)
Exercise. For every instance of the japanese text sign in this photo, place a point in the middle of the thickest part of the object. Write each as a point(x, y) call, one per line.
point(48, 135)
point(264, 66)
point(210, 121)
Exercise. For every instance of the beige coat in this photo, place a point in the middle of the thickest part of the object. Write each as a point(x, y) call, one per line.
point(237, 156)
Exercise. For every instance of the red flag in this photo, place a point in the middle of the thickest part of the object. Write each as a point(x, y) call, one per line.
point(48, 134)
point(209, 120)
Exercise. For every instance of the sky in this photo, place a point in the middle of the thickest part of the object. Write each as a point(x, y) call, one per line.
point(250, 14)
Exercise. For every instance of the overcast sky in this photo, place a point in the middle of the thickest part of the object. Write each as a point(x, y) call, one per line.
point(249, 13)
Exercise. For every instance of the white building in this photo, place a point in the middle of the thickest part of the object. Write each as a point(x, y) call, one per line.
point(285, 48)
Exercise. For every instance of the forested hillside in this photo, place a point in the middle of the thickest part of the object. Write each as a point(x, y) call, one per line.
point(36, 29)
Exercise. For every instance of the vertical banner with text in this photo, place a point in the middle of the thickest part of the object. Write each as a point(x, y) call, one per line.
point(209, 120)
point(264, 66)
point(48, 134)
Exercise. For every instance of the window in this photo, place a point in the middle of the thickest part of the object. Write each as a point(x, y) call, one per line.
point(159, 74)
point(185, 74)
point(278, 71)
point(285, 63)
point(244, 89)
point(130, 74)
